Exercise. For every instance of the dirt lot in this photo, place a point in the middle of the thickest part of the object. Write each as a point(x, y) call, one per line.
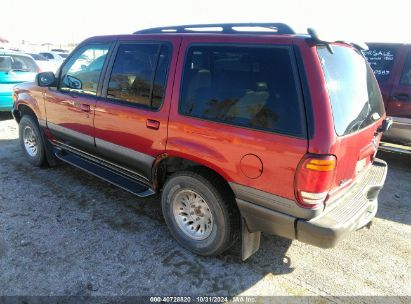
point(64, 232)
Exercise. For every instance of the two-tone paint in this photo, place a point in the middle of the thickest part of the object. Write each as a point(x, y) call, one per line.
point(251, 161)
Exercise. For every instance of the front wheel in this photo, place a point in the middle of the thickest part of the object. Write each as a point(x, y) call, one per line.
point(200, 212)
point(31, 141)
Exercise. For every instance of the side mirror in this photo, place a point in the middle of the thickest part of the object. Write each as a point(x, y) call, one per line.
point(46, 79)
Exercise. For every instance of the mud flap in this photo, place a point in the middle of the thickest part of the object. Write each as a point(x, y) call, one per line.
point(250, 241)
point(48, 149)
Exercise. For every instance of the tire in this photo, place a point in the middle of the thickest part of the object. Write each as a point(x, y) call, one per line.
point(207, 199)
point(31, 141)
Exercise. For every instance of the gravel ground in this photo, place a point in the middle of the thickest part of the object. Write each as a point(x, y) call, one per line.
point(64, 232)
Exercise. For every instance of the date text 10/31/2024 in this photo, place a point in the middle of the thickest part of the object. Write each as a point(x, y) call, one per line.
point(203, 299)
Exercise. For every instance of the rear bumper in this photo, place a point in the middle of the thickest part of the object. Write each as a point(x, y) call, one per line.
point(6, 101)
point(355, 209)
point(400, 131)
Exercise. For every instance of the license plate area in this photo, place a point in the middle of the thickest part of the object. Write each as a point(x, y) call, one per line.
point(360, 165)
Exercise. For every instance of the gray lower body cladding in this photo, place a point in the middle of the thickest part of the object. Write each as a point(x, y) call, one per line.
point(351, 211)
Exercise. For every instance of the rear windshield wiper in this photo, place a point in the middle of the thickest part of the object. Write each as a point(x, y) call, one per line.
point(358, 122)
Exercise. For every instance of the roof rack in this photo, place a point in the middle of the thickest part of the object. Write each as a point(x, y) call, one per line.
point(223, 28)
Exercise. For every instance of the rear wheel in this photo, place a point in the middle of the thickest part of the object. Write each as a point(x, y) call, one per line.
point(200, 212)
point(31, 141)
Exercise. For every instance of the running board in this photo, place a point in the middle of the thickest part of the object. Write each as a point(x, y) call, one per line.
point(129, 184)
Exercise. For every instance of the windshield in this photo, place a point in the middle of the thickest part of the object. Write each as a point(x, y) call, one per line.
point(354, 94)
point(11, 62)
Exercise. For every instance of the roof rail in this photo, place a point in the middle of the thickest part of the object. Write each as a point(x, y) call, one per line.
point(223, 28)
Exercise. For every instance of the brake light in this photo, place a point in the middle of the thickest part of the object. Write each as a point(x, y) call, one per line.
point(313, 179)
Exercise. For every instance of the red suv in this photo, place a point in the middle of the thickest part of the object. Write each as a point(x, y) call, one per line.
point(391, 63)
point(243, 128)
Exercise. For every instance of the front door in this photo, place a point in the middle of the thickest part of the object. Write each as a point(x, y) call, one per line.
point(131, 121)
point(70, 106)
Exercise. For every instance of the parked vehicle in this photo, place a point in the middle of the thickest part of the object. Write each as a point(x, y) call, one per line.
point(391, 63)
point(242, 132)
point(63, 55)
point(44, 64)
point(60, 51)
point(53, 56)
point(15, 68)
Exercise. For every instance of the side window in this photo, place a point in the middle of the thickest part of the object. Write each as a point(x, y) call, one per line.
point(82, 72)
point(406, 72)
point(252, 87)
point(139, 74)
point(381, 60)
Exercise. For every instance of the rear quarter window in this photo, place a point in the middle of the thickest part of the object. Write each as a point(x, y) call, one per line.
point(381, 60)
point(249, 86)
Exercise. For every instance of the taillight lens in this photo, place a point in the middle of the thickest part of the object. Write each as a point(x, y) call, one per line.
point(313, 179)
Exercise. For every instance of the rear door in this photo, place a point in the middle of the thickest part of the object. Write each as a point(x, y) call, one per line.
point(239, 111)
point(131, 118)
point(357, 109)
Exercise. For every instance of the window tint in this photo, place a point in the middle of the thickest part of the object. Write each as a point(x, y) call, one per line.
point(82, 72)
point(353, 91)
point(406, 72)
point(381, 59)
point(139, 74)
point(252, 87)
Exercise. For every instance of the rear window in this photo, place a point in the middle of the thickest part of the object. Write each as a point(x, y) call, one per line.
point(17, 63)
point(253, 87)
point(352, 88)
point(406, 72)
point(38, 57)
point(47, 55)
point(381, 60)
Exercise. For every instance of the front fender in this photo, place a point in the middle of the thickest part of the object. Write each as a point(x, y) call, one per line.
point(28, 97)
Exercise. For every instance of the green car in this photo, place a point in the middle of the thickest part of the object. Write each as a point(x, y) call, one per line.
point(14, 68)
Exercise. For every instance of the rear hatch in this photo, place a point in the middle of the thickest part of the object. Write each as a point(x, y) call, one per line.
point(357, 108)
point(15, 69)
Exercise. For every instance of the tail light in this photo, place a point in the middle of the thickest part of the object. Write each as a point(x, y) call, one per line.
point(313, 179)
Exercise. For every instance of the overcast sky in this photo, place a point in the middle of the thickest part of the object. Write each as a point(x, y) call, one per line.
point(66, 21)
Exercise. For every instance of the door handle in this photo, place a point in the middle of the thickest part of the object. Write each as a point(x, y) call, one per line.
point(85, 107)
point(82, 106)
point(153, 124)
